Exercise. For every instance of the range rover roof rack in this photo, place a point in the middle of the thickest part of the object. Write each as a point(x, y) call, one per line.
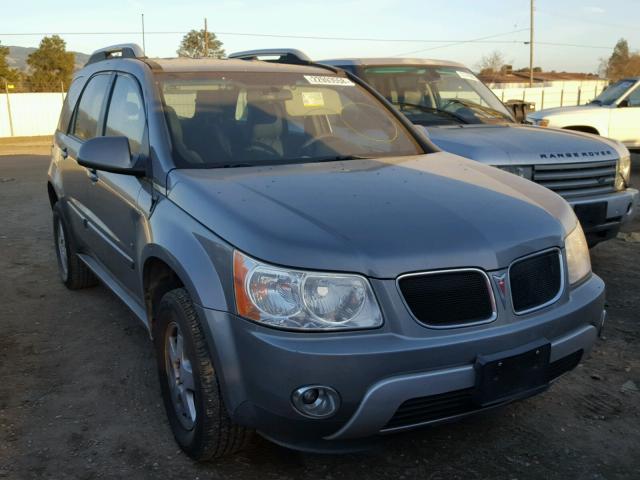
point(281, 55)
point(122, 50)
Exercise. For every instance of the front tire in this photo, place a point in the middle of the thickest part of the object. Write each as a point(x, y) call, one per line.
point(73, 272)
point(189, 384)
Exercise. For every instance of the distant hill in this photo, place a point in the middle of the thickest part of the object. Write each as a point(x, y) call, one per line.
point(18, 58)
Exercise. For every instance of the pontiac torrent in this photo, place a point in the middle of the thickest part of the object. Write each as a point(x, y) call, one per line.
point(308, 265)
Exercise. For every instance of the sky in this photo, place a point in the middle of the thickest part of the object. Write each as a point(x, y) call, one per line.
point(385, 27)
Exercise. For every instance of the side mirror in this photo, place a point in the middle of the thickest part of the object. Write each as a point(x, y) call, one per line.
point(109, 154)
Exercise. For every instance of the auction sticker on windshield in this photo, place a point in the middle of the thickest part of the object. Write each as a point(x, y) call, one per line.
point(327, 80)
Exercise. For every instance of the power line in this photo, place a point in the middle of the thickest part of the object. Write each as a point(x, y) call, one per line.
point(473, 40)
point(248, 34)
point(448, 42)
point(554, 44)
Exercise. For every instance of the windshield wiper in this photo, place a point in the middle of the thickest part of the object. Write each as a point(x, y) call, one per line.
point(338, 158)
point(482, 108)
point(424, 108)
point(236, 165)
point(595, 102)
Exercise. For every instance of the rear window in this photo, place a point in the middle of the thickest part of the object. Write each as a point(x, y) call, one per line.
point(249, 118)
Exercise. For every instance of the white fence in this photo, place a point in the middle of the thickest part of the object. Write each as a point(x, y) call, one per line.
point(549, 97)
point(29, 114)
point(32, 114)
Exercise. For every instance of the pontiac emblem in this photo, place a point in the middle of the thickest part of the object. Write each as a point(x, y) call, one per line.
point(502, 285)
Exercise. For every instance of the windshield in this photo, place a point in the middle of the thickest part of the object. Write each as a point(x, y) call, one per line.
point(613, 92)
point(236, 119)
point(436, 95)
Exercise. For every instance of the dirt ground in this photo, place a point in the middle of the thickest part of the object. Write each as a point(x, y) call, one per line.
point(79, 395)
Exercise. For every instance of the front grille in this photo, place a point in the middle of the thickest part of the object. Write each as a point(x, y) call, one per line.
point(535, 280)
point(448, 298)
point(572, 180)
point(424, 410)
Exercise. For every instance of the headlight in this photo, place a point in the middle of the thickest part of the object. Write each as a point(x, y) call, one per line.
point(541, 122)
point(300, 300)
point(577, 252)
point(623, 173)
point(521, 171)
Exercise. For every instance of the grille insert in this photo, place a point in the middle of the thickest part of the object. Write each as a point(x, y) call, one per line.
point(535, 280)
point(434, 407)
point(577, 179)
point(448, 298)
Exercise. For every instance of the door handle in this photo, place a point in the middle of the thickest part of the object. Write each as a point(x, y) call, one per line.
point(93, 175)
point(64, 152)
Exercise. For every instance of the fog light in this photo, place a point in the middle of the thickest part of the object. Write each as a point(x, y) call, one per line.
point(316, 401)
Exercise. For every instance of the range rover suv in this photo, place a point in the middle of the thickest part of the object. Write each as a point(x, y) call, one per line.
point(461, 115)
point(308, 264)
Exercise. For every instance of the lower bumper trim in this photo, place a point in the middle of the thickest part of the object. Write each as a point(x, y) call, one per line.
point(384, 399)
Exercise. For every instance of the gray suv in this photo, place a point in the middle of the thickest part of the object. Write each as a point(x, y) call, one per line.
point(308, 265)
point(461, 115)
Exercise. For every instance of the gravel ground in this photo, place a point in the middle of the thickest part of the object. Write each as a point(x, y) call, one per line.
point(79, 396)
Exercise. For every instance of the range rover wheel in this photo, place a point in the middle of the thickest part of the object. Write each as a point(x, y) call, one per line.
point(73, 272)
point(190, 388)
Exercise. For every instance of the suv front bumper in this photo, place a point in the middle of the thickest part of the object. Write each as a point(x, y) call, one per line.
point(620, 206)
point(374, 371)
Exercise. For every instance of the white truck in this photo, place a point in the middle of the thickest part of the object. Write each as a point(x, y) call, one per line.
point(615, 113)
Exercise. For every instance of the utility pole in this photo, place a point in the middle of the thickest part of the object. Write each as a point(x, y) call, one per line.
point(531, 48)
point(206, 39)
point(144, 50)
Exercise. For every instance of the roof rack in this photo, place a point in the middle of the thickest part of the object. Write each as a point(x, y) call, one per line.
point(282, 55)
point(122, 50)
point(289, 56)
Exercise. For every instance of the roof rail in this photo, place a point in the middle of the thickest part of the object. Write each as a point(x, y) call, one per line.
point(122, 50)
point(284, 55)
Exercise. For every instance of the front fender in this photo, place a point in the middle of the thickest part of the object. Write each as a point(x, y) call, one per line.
point(204, 264)
point(202, 260)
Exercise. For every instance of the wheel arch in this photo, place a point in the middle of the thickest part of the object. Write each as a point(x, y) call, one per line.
point(53, 196)
point(167, 267)
point(583, 128)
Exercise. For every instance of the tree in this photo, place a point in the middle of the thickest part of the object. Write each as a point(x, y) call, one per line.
point(6, 73)
point(51, 65)
point(622, 63)
point(193, 45)
point(492, 63)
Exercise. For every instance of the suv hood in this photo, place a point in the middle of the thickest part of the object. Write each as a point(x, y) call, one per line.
point(380, 218)
point(514, 144)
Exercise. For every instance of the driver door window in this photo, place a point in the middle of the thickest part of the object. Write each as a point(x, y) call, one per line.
point(126, 116)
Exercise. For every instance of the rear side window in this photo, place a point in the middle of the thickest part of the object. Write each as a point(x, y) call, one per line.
point(126, 113)
point(69, 103)
point(90, 108)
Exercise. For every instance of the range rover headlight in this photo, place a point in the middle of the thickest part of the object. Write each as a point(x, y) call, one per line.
point(541, 122)
point(519, 170)
point(577, 253)
point(623, 172)
point(301, 300)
